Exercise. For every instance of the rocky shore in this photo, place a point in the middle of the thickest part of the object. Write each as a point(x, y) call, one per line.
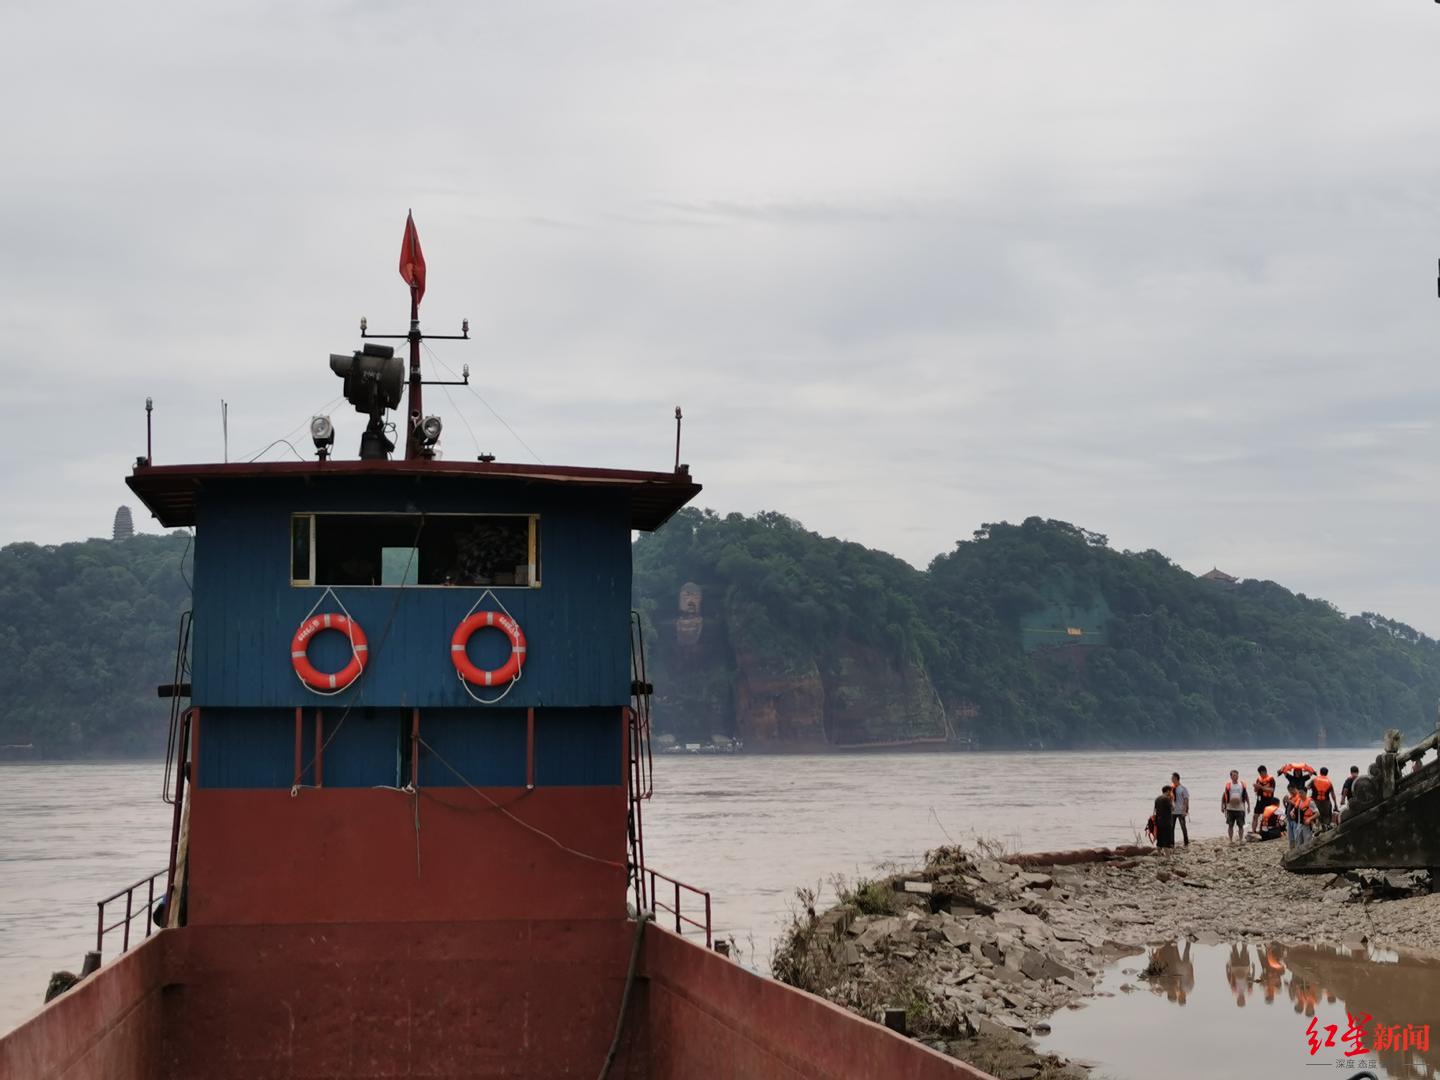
point(978, 948)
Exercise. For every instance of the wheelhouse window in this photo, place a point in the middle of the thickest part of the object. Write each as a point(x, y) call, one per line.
point(466, 550)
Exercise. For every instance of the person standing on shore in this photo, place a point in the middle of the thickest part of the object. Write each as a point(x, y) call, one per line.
point(1324, 789)
point(1299, 813)
point(1165, 818)
point(1182, 806)
point(1347, 788)
point(1234, 802)
point(1264, 793)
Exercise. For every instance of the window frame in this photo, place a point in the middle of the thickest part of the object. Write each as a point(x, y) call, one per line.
point(310, 583)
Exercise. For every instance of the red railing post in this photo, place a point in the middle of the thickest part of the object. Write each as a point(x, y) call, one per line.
point(150, 908)
point(677, 908)
point(125, 937)
point(708, 943)
point(100, 926)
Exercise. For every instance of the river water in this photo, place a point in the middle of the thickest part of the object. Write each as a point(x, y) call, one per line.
point(751, 829)
point(1277, 1012)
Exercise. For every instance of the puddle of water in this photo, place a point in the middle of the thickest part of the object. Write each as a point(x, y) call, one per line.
point(1236, 1010)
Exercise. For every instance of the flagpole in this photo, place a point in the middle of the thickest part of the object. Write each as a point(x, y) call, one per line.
point(416, 409)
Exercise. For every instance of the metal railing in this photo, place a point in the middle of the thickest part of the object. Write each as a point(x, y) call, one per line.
point(681, 920)
point(640, 781)
point(131, 914)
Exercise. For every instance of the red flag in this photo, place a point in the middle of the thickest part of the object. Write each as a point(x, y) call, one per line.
point(412, 260)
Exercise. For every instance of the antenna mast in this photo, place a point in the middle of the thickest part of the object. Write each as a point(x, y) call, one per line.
point(418, 442)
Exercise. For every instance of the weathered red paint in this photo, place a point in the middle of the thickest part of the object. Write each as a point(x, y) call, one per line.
point(708, 1016)
point(109, 1027)
point(516, 998)
point(358, 855)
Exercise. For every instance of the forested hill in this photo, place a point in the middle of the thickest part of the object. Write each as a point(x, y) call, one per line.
point(1036, 634)
point(87, 631)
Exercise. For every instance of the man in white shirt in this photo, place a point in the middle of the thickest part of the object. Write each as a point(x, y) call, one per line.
point(1234, 803)
point(1182, 806)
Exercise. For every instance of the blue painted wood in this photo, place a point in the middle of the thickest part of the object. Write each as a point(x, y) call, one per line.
point(247, 748)
point(578, 747)
point(486, 747)
point(246, 611)
point(362, 748)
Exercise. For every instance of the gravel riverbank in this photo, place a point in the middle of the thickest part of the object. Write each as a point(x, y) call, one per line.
point(978, 950)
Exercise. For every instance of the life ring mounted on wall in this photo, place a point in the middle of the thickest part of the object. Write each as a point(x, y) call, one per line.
point(507, 672)
point(325, 682)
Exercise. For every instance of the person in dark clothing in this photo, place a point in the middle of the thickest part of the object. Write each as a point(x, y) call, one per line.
point(1165, 818)
point(1348, 788)
point(1181, 796)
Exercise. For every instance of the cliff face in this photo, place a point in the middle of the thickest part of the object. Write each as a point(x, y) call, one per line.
point(872, 700)
point(735, 672)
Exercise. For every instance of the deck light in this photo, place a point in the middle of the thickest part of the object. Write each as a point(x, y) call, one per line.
point(427, 432)
point(323, 432)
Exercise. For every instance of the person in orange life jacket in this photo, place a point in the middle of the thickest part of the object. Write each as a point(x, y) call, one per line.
point(1297, 772)
point(1234, 802)
point(1299, 813)
point(1272, 823)
point(1182, 805)
point(1264, 793)
point(1323, 789)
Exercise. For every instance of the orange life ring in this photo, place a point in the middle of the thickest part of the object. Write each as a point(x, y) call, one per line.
point(506, 672)
point(300, 647)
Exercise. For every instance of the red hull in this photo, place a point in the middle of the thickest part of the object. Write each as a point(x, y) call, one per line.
point(499, 999)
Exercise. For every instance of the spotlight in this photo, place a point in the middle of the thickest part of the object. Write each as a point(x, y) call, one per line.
point(374, 380)
point(323, 432)
point(427, 431)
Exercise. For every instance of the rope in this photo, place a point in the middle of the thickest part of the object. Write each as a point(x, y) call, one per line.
point(640, 921)
point(519, 821)
point(458, 412)
point(487, 404)
point(296, 429)
point(519, 672)
point(298, 456)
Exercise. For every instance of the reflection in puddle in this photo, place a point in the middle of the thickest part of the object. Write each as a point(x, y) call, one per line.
point(1259, 1009)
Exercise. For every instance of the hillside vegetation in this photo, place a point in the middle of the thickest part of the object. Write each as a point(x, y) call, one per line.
point(1162, 657)
point(1037, 634)
point(87, 631)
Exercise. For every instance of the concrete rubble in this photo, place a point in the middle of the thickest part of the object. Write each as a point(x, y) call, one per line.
point(980, 951)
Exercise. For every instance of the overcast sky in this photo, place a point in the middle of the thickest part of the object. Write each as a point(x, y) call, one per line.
point(1162, 270)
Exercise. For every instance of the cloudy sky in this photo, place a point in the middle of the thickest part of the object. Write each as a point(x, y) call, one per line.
point(1162, 270)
